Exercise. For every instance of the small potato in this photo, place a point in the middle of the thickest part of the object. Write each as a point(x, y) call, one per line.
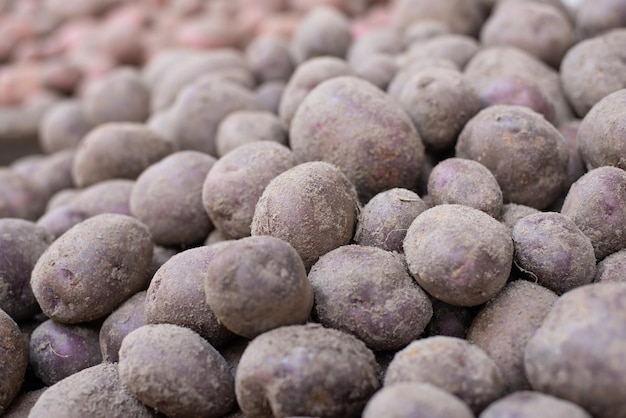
point(512, 213)
point(269, 58)
point(423, 30)
point(553, 251)
point(257, 284)
point(243, 127)
point(59, 220)
point(439, 102)
point(128, 317)
point(594, 17)
point(350, 123)
point(117, 150)
point(23, 403)
point(324, 31)
point(612, 268)
point(269, 95)
point(19, 196)
point(54, 172)
point(378, 69)
point(293, 371)
point(461, 16)
point(313, 206)
point(13, 360)
point(108, 196)
point(457, 48)
point(515, 23)
point(63, 126)
point(504, 325)
point(59, 350)
point(582, 335)
point(408, 400)
point(176, 295)
point(527, 404)
point(451, 364)
point(409, 69)
point(465, 182)
point(384, 220)
point(304, 79)
point(458, 254)
point(597, 205)
point(120, 97)
point(21, 244)
point(535, 155)
point(167, 197)
point(93, 392)
point(92, 268)
point(449, 320)
point(384, 41)
point(384, 308)
point(603, 55)
point(194, 382)
point(235, 183)
point(201, 106)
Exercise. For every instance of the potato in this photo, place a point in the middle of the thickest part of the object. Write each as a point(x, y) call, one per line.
point(530, 166)
point(120, 97)
point(582, 336)
point(449, 320)
point(61, 198)
point(19, 196)
point(515, 23)
point(129, 316)
point(512, 65)
point(53, 173)
point(527, 404)
point(167, 198)
point(313, 206)
point(423, 30)
point(185, 383)
point(94, 392)
point(596, 205)
point(593, 69)
point(108, 196)
point(384, 41)
point(386, 217)
point(384, 308)
point(373, 142)
point(235, 183)
point(92, 268)
point(595, 17)
point(13, 360)
point(293, 371)
point(439, 102)
point(243, 127)
point(257, 284)
point(117, 150)
point(378, 69)
point(611, 269)
point(21, 244)
point(451, 364)
point(324, 31)
point(59, 350)
point(458, 254)
point(406, 400)
point(269, 58)
point(553, 251)
point(576, 166)
point(461, 16)
point(59, 220)
point(457, 48)
point(465, 182)
point(200, 108)
point(504, 325)
point(410, 68)
point(176, 295)
point(269, 95)
point(63, 126)
point(601, 132)
point(23, 403)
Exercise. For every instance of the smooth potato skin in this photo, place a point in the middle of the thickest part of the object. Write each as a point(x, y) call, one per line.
point(13, 360)
point(63, 126)
point(20, 197)
point(527, 404)
point(122, 321)
point(85, 274)
point(582, 336)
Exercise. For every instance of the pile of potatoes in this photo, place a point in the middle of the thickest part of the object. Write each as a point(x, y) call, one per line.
point(313, 208)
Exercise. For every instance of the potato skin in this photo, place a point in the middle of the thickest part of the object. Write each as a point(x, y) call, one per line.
point(63, 126)
point(13, 360)
point(257, 284)
point(451, 364)
point(527, 404)
point(582, 336)
point(93, 392)
point(313, 206)
point(593, 17)
point(21, 244)
point(505, 324)
point(286, 371)
point(535, 155)
point(242, 127)
point(513, 213)
point(460, 16)
point(108, 196)
point(86, 273)
point(129, 316)
point(19, 196)
point(596, 204)
point(194, 382)
point(612, 268)
point(384, 308)
point(269, 58)
point(350, 123)
point(459, 254)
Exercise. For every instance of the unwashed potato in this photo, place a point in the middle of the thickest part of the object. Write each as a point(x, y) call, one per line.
point(527, 404)
point(269, 58)
point(454, 47)
point(108, 196)
point(594, 17)
point(129, 316)
point(285, 372)
point(612, 268)
point(92, 268)
point(63, 127)
point(461, 16)
point(13, 360)
point(582, 335)
point(243, 127)
point(23, 403)
point(513, 213)
point(19, 196)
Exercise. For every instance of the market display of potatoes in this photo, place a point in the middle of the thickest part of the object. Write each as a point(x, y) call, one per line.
point(313, 208)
